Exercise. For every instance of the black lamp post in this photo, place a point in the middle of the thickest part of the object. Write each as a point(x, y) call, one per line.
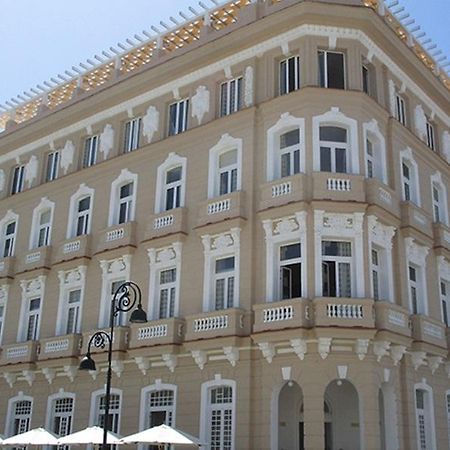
point(124, 300)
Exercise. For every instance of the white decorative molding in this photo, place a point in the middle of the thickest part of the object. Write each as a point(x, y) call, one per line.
point(200, 358)
point(416, 253)
point(397, 352)
point(231, 354)
point(441, 185)
point(406, 155)
point(248, 87)
point(380, 349)
point(300, 347)
point(268, 351)
point(443, 268)
point(124, 177)
point(170, 360)
point(446, 145)
point(67, 154)
point(70, 372)
point(11, 378)
point(380, 234)
point(286, 373)
point(29, 376)
point(143, 364)
point(106, 140)
point(420, 122)
point(200, 103)
point(117, 366)
point(371, 131)
point(434, 362)
point(31, 170)
point(361, 347)
point(342, 372)
point(324, 346)
point(150, 123)
point(418, 359)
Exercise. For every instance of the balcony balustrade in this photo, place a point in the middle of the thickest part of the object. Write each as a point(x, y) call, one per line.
point(228, 206)
point(67, 346)
point(77, 247)
point(441, 235)
point(35, 259)
point(117, 236)
point(378, 194)
point(22, 352)
point(120, 340)
point(282, 191)
point(167, 222)
point(393, 318)
point(428, 330)
point(338, 187)
point(157, 332)
point(415, 217)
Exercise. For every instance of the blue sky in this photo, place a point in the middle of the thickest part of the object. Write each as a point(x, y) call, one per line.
point(43, 38)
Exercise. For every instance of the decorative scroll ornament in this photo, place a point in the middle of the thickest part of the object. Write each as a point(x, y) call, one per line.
point(106, 140)
point(420, 122)
point(31, 170)
point(150, 123)
point(67, 156)
point(200, 103)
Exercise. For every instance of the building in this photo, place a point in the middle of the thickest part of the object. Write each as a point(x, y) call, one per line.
point(274, 175)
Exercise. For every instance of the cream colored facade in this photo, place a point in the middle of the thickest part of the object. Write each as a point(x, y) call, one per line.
point(296, 283)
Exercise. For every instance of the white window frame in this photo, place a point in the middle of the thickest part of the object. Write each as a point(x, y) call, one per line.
point(215, 247)
point(51, 414)
point(72, 222)
point(406, 157)
point(8, 240)
point(173, 187)
point(372, 133)
point(279, 232)
point(297, 79)
point(17, 184)
point(431, 135)
point(400, 109)
point(224, 276)
point(416, 256)
point(340, 227)
point(4, 291)
point(95, 407)
point(44, 205)
point(436, 181)
point(132, 138)
point(338, 260)
point(225, 144)
point(366, 72)
point(181, 121)
point(380, 239)
point(161, 259)
point(52, 166)
point(231, 90)
point(445, 300)
point(113, 270)
point(336, 118)
point(205, 408)
point(172, 161)
point(430, 422)
point(444, 276)
point(124, 178)
point(91, 149)
point(333, 146)
point(69, 281)
point(9, 428)
point(325, 68)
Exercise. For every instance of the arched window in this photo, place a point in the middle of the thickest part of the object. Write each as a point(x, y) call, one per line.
point(20, 409)
point(41, 225)
point(60, 410)
point(123, 198)
point(425, 427)
point(410, 177)
point(80, 212)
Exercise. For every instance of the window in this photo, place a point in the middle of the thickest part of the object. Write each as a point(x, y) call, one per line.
point(44, 228)
point(172, 188)
point(125, 203)
point(400, 109)
point(83, 216)
point(376, 274)
point(290, 271)
point(160, 409)
point(409, 177)
point(445, 302)
point(21, 416)
point(365, 79)
point(333, 149)
point(336, 269)
point(178, 117)
point(73, 312)
point(132, 135)
point(90, 151)
point(424, 420)
point(120, 319)
point(439, 199)
point(415, 290)
point(416, 256)
point(62, 416)
point(406, 172)
point(18, 179)
point(32, 319)
point(80, 212)
point(289, 75)
point(224, 283)
point(430, 135)
point(290, 153)
point(436, 203)
point(52, 166)
point(114, 412)
point(9, 238)
point(370, 159)
point(331, 70)
point(228, 170)
point(230, 96)
point(167, 293)
point(2, 315)
point(220, 418)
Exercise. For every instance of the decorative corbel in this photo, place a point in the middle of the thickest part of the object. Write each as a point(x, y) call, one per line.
point(70, 372)
point(200, 358)
point(11, 378)
point(323, 347)
point(29, 376)
point(49, 374)
point(268, 350)
point(117, 367)
point(380, 349)
point(361, 348)
point(397, 352)
point(170, 361)
point(232, 354)
point(300, 347)
point(434, 362)
point(342, 372)
point(418, 359)
point(142, 363)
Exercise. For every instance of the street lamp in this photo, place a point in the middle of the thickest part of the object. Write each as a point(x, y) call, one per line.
point(124, 299)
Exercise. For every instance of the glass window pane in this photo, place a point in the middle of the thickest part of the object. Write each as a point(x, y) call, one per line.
point(333, 134)
point(290, 251)
point(173, 175)
point(344, 280)
point(341, 161)
point(126, 190)
point(325, 159)
point(290, 138)
point(228, 159)
point(335, 66)
point(224, 264)
point(321, 69)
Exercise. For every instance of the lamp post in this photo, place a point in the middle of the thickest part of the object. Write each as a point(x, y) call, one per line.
point(124, 300)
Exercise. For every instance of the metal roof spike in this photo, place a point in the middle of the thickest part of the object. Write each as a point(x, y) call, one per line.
point(27, 94)
point(10, 104)
point(398, 10)
point(106, 54)
point(431, 47)
point(54, 80)
point(203, 6)
point(403, 17)
point(129, 41)
point(147, 34)
point(41, 88)
point(15, 101)
point(83, 66)
point(21, 98)
point(425, 41)
point(164, 25)
point(48, 84)
point(175, 21)
point(115, 51)
point(138, 38)
point(123, 47)
point(409, 22)
point(92, 63)
point(61, 77)
point(183, 15)
point(76, 69)
point(193, 11)
point(155, 29)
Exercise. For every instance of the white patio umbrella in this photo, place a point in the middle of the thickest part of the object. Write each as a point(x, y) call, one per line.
point(90, 435)
point(38, 436)
point(161, 435)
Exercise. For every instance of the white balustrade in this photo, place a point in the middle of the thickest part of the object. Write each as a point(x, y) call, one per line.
point(338, 184)
point(281, 189)
point(210, 323)
point(16, 352)
point(70, 247)
point(152, 332)
point(385, 196)
point(432, 330)
point(32, 257)
point(115, 235)
point(278, 313)
point(61, 345)
point(397, 318)
point(163, 222)
point(219, 206)
point(343, 311)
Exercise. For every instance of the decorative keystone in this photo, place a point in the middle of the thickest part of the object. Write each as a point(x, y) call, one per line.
point(323, 347)
point(268, 351)
point(300, 347)
point(142, 363)
point(361, 347)
point(232, 354)
point(342, 372)
point(397, 352)
point(49, 374)
point(200, 358)
point(380, 349)
point(418, 359)
point(170, 361)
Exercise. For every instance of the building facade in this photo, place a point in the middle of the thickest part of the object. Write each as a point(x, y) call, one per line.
point(274, 176)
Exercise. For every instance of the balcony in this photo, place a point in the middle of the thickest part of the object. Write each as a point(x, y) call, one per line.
point(415, 217)
point(167, 222)
point(120, 341)
point(227, 322)
point(378, 194)
point(7, 266)
point(342, 187)
point(228, 206)
point(117, 236)
point(37, 258)
point(292, 313)
point(343, 312)
point(429, 331)
point(77, 247)
point(282, 191)
point(24, 352)
point(67, 346)
point(441, 235)
point(156, 332)
point(393, 318)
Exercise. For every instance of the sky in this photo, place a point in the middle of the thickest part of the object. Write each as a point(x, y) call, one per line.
point(40, 39)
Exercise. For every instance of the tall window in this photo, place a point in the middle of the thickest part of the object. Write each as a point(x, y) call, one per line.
point(167, 292)
point(333, 149)
point(90, 151)
point(178, 117)
point(424, 420)
point(44, 228)
point(132, 134)
point(289, 75)
point(366, 79)
point(430, 136)
point(21, 416)
point(230, 96)
point(409, 181)
point(400, 109)
point(228, 171)
point(290, 153)
point(415, 290)
point(73, 311)
point(114, 412)
point(2, 318)
point(125, 203)
point(371, 163)
point(9, 238)
point(224, 283)
point(62, 416)
point(32, 319)
point(52, 166)
point(376, 274)
point(336, 269)
point(83, 216)
point(290, 271)
point(172, 188)
point(160, 408)
point(445, 302)
point(331, 70)
point(436, 203)
point(220, 418)
point(18, 179)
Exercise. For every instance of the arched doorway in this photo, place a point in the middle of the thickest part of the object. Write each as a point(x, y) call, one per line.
point(342, 424)
point(290, 417)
